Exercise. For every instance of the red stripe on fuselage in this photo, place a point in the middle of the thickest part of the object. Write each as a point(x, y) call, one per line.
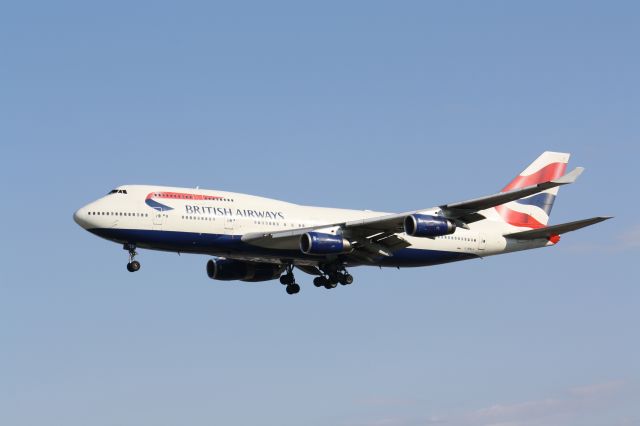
point(545, 174)
point(181, 196)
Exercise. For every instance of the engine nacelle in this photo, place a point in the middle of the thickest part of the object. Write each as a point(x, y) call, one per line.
point(423, 225)
point(320, 243)
point(230, 270)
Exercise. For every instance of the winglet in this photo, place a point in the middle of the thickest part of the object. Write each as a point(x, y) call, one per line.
point(570, 177)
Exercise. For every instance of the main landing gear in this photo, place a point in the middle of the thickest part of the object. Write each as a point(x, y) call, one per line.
point(289, 280)
point(133, 265)
point(332, 277)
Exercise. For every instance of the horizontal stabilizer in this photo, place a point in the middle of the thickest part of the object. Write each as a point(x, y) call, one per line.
point(549, 231)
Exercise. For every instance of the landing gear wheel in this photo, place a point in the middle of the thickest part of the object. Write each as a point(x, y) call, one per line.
point(346, 279)
point(330, 284)
point(293, 288)
point(286, 279)
point(133, 266)
point(319, 281)
point(333, 274)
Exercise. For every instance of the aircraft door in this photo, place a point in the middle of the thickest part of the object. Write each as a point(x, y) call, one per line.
point(158, 218)
point(229, 223)
point(482, 242)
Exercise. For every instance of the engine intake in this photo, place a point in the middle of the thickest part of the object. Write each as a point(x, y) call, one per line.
point(320, 243)
point(231, 270)
point(423, 225)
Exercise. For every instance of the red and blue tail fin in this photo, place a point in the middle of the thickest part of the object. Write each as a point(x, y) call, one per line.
point(533, 211)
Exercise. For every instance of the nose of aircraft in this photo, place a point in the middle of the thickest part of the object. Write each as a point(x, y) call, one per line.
point(80, 217)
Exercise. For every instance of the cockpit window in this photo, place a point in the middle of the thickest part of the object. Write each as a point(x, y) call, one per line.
point(118, 191)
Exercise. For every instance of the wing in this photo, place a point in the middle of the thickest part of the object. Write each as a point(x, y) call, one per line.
point(467, 211)
point(379, 235)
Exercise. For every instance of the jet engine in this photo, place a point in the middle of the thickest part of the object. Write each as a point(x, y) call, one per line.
point(423, 225)
point(230, 270)
point(320, 243)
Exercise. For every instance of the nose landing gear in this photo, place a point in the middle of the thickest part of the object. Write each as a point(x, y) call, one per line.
point(133, 265)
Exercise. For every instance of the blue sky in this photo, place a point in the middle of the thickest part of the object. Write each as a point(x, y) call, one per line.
point(379, 105)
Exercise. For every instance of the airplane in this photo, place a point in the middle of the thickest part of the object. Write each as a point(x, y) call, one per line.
point(252, 238)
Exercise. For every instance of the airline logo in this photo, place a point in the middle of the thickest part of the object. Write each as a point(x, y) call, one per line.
point(151, 198)
point(532, 212)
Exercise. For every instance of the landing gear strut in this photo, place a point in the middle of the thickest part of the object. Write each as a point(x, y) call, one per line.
point(289, 280)
point(133, 265)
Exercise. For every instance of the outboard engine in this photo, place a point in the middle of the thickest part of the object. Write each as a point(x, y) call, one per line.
point(230, 270)
point(320, 243)
point(423, 225)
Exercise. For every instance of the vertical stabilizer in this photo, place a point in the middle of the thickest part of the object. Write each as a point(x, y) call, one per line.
point(533, 212)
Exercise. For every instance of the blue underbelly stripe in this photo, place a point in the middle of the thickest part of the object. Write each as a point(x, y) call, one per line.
point(221, 245)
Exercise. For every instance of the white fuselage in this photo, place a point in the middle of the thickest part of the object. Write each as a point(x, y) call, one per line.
point(213, 222)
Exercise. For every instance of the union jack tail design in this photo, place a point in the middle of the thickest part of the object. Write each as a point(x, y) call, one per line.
point(533, 212)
